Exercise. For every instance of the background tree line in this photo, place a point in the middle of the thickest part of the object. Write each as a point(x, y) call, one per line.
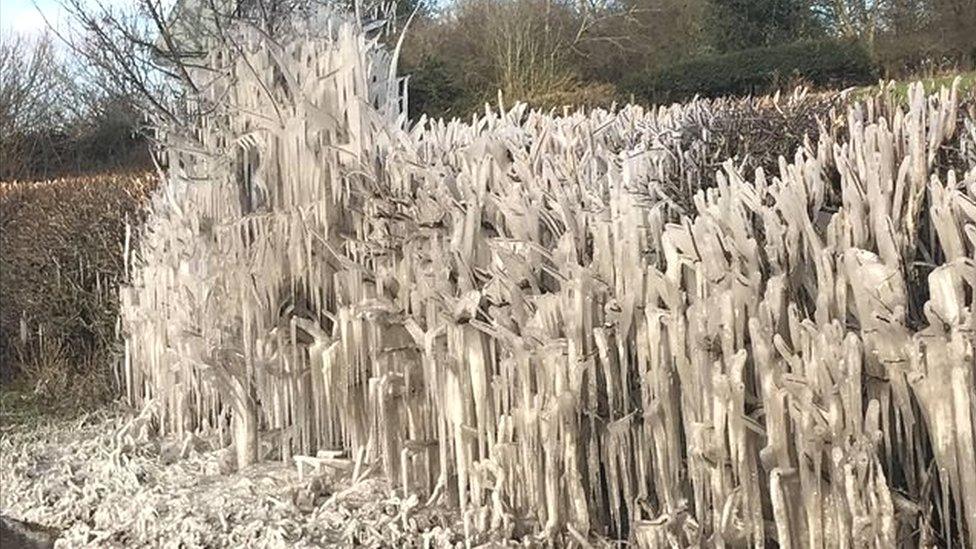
point(71, 102)
point(553, 52)
point(55, 119)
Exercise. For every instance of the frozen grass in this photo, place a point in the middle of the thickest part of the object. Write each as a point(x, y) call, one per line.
point(899, 88)
point(103, 484)
point(18, 405)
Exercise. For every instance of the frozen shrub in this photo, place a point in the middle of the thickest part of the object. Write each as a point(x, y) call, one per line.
point(515, 314)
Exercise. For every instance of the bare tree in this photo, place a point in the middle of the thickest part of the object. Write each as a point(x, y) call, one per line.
point(906, 35)
point(547, 52)
point(852, 18)
point(154, 53)
point(130, 51)
point(38, 98)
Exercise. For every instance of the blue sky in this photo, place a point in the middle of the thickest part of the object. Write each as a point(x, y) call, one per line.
point(22, 16)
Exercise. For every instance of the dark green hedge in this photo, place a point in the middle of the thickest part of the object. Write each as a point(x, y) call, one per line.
point(757, 70)
point(433, 89)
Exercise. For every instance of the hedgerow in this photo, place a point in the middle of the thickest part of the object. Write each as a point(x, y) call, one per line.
point(62, 245)
point(827, 63)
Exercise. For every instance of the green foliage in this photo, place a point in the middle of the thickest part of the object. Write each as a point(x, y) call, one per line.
point(738, 24)
point(460, 54)
point(757, 70)
point(433, 89)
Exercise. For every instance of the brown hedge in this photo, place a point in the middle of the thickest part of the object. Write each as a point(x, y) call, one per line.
point(61, 259)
